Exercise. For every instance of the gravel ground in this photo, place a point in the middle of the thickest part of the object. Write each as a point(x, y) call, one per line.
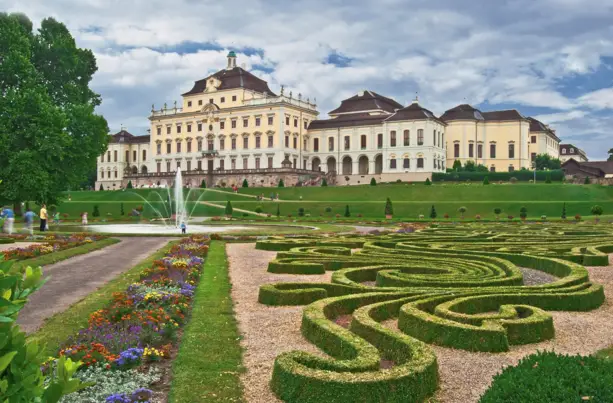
point(537, 277)
point(266, 331)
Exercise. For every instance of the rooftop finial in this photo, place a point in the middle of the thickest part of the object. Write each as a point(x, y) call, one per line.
point(282, 89)
point(231, 60)
point(416, 100)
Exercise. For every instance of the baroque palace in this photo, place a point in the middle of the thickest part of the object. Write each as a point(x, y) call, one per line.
point(231, 127)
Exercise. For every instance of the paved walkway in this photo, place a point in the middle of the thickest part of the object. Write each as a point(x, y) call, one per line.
point(221, 206)
point(16, 245)
point(74, 278)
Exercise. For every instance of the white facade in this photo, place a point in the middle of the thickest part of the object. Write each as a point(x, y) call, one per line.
point(125, 153)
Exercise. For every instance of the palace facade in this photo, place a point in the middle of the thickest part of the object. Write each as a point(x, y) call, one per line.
point(569, 151)
point(230, 127)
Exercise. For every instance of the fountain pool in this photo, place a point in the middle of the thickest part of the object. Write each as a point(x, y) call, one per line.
point(191, 228)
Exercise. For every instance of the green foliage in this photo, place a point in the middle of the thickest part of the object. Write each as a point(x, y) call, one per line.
point(523, 212)
point(428, 183)
point(610, 152)
point(597, 210)
point(203, 184)
point(547, 377)
point(497, 211)
point(373, 182)
point(470, 166)
point(258, 209)
point(486, 180)
point(548, 177)
point(521, 175)
point(21, 379)
point(563, 216)
point(457, 165)
point(122, 211)
point(544, 161)
point(245, 183)
point(432, 212)
point(301, 212)
point(96, 212)
point(101, 187)
point(328, 209)
point(281, 183)
point(347, 213)
point(228, 211)
point(324, 182)
point(278, 210)
point(129, 186)
point(389, 209)
point(48, 111)
point(462, 210)
point(587, 180)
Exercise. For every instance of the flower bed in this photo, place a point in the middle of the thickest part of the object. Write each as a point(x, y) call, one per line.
point(123, 342)
point(49, 244)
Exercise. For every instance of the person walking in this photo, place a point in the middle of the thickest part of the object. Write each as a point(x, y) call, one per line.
point(183, 227)
point(56, 218)
point(9, 219)
point(29, 220)
point(84, 218)
point(43, 218)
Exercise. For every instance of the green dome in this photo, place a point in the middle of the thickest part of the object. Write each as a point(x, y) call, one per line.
point(231, 54)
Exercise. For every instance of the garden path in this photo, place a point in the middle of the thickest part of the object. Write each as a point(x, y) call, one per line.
point(16, 245)
point(74, 278)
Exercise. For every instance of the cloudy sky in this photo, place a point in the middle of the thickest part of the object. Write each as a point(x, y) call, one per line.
point(552, 59)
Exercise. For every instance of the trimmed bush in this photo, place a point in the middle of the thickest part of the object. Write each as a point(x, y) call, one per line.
point(428, 182)
point(587, 180)
point(347, 213)
point(203, 184)
point(432, 212)
point(101, 187)
point(281, 183)
point(96, 212)
point(486, 181)
point(245, 183)
point(373, 182)
point(324, 182)
point(522, 176)
point(129, 186)
point(389, 209)
point(229, 210)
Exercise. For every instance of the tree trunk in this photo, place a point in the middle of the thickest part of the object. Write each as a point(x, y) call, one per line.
point(17, 208)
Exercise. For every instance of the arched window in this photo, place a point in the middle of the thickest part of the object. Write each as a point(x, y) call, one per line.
point(407, 138)
point(420, 162)
point(406, 163)
point(393, 163)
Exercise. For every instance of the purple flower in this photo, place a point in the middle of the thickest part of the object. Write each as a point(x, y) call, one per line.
point(118, 398)
point(129, 357)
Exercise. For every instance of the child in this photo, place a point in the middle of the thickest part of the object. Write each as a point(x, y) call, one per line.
point(56, 218)
point(84, 218)
point(183, 227)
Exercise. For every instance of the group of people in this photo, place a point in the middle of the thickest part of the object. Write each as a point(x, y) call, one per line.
point(273, 196)
point(28, 217)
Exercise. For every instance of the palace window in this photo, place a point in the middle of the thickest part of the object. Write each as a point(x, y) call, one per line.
point(511, 150)
point(286, 141)
point(471, 150)
point(269, 162)
point(295, 142)
point(572, 150)
point(380, 140)
point(199, 127)
point(222, 100)
point(492, 150)
point(304, 144)
point(406, 163)
point(167, 166)
point(245, 163)
point(245, 142)
point(533, 156)
point(210, 100)
point(393, 138)
point(257, 162)
point(210, 145)
point(159, 167)
point(245, 122)
point(363, 142)
point(144, 155)
point(257, 121)
point(270, 139)
point(159, 131)
point(199, 145)
point(434, 138)
point(270, 120)
point(200, 102)
point(295, 122)
point(199, 165)
point(347, 142)
point(511, 168)
point(492, 168)
point(233, 98)
point(257, 142)
point(127, 159)
point(315, 145)
point(134, 155)
point(420, 137)
point(234, 144)
point(168, 151)
point(295, 163)
point(564, 151)
point(233, 163)
point(420, 162)
point(221, 164)
point(234, 123)
point(533, 139)
point(159, 149)
point(178, 147)
point(331, 144)
point(406, 138)
point(189, 165)
point(222, 144)
point(189, 104)
point(115, 172)
point(102, 158)
point(115, 156)
point(189, 146)
point(456, 150)
point(101, 174)
point(167, 129)
point(222, 125)
point(479, 150)
point(393, 163)
point(443, 140)
point(189, 128)
point(306, 124)
point(178, 129)
point(287, 120)
point(178, 165)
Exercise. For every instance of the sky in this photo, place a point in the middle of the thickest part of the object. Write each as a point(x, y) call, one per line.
point(550, 59)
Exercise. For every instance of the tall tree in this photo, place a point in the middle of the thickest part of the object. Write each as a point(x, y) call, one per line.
point(610, 152)
point(544, 161)
point(51, 134)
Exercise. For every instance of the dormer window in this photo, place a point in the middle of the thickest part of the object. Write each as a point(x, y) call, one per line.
point(564, 151)
point(572, 150)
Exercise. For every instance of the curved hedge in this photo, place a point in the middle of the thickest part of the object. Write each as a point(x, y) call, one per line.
point(459, 287)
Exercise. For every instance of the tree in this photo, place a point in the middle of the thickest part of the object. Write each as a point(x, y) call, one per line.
point(229, 209)
point(428, 183)
point(278, 210)
point(457, 166)
point(101, 187)
point(203, 184)
point(347, 213)
point(281, 183)
point(389, 209)
point(129, 186)
point(301, 212)
point(486, 180)
point(96, 212)
point(470, 166)
point(597, 210)
point(245, 183)
point(462, 210)
point(482, 168)
point(544, 161)
point(523, 213)
point(497, 211)
point(610, 152)
point(432, 212)
point(122, 212)
point(564, 211)
point(373, 182)
point(324, 183)
point(51, 135)
point(587, 180)
point(548, 177)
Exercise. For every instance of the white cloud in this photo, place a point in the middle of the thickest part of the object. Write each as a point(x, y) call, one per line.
point(600, 99)
point(552, 118)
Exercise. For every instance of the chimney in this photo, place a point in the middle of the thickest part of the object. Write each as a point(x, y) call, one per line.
point(231, 60)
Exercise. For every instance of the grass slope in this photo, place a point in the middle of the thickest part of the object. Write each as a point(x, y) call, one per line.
point(209, 361)
point(59, 327)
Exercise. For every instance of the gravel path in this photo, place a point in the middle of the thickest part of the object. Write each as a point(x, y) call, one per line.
point(537, 277)
point(16, 245)
point(75, 278)
point(267, 331)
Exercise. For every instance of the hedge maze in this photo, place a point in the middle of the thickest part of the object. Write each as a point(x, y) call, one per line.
point(459, 287)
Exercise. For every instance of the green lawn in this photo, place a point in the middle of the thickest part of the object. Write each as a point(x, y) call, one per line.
point(209, 362)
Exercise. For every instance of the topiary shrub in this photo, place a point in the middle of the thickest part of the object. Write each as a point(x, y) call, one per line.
point(328, 209)
point(121, 207)
point(129, 186)
point(523, 212)
point(547, 377)
point(278, 210)
point(462, 210)
point(587, 180)
point(373, 182)
point(389, 209)
point(203, 184)
point(301, 212)
point(96, 212)
point(258, 209)
point(101, 187)
point(486, 181)
point(513, 179)
point(428, 182)
point(324, 182)
point(281, 183)
point(548, 178)
point(563, 211)
point(497, 211)
point(229, 210)
point(596, 210)
point(245, 215)
point(347, 213)
point(245, 183)
point(432, 212)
